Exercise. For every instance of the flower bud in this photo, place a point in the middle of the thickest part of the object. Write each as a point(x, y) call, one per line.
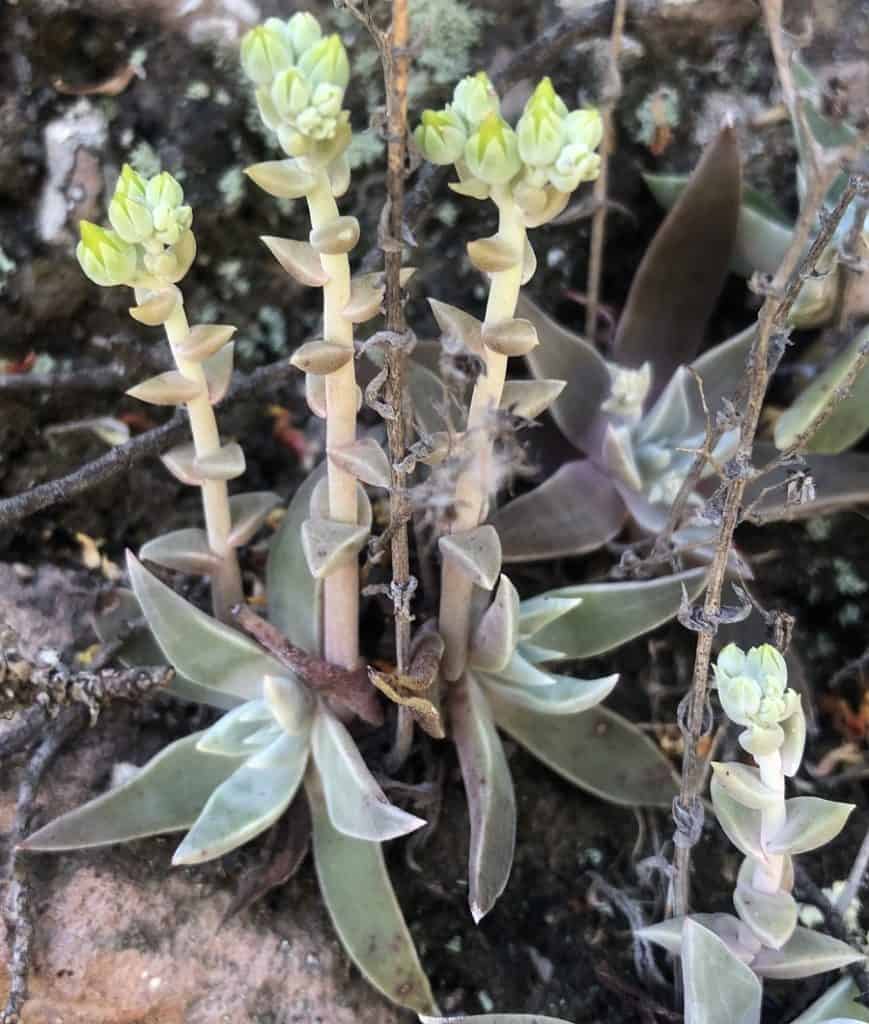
point(492, 153)
point(104, 256)
point(311, 124)
point(327, 99)
point(164, 189)
point(304, 31)
point(584, 127)
point(741, 699)
point(475, 98)
point(290, 93)
point(265, 52)
point(441, 136)
point(326, 61)
point(768, 666)
point(131, 184)
point(130, 218)
point(540, 129)
point(170, 222)
point(575, 164)
point(545, 97)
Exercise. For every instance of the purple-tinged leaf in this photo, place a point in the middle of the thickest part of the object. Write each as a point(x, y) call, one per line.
point(683, 271)
point(166, 795)
point(574, 511)
point(598, 751)
point(718, 988)
point(495, 635)
point(804, 954)
point(489, 789)
point(365, 913)
point(563, 355)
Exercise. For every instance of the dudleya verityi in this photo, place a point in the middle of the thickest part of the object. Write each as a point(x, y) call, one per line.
point(300, 77)
point(543, 160)
point(151, 241)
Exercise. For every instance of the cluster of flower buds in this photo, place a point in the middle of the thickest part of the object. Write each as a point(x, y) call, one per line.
point(151, 239)
point(754, 693)
point(545, 158)
point(300, 78)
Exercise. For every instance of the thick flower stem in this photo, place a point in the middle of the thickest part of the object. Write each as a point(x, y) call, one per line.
point(341, 588)
point(768, 877)
point(226, 587)
point(474, 484)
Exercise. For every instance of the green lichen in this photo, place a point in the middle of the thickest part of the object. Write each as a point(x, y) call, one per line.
point(849, 583)
point(658, 109)
point(819, 529)
point(231, 273)
point(850, 614)
point(366, 148)
point(231, 185)
point(198, 91)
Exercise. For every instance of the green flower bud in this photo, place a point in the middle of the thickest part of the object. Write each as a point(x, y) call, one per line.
point(312, 124)
point(769, 668)
point(541, 129)
point(131, 218)
point(327, 99)
point(753, 691)
point(441, 136)
point(264, 52)
point(584, 127)
point(290, 93)
point(575, 164)
point(492, 153)
point(304, 31)
point(741, 699)
point(131, 184)
point(475, 99)
point(104, 256)
point(326, 61)
point(170, 222)
point(164, 189)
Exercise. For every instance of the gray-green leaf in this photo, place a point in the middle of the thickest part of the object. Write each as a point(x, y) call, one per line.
point(718, 987)
point(740, 824)
point(804, 954)
point(811, 822)
point(566, 696)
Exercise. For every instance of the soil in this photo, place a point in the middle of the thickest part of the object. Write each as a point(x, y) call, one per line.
point(559, 941)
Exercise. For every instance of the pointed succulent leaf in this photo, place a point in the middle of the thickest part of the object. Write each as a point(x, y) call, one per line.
point(575, 510)
point(251, 799)
point(722, 368)
point(476, 552)
point(365, 460)
point(563, 355)
point(514, 337)
point(458, 326)
point(850, 418)
point(329, 544)
point(677, 414)
point(230, 732)
point(529, 261)
point(248, 512)
point(226, 463)
point(791, 751)
point(493, 255)
point(617, 455)
point(337, 237)
point(203, 341)
point(166, 795)
point(489, 789)
point(300, 260)
point(740, 824)
point(183, 551)
point(366, 295)
point(744, 785)
point(295, 597)
point(218, 372)
point(199, 646)
point(124, 622)
point(181, 463)
point(170, 388)
point(838, 1004)
point(321, 357)
point(718, 988)
point(811, 822)
point(683, 270)
point(611, 614)
point(284, 179)
point(364, 910)
point(597, 750)
point(357, 805)
point(804, 954)
point(530, 398)
point(292, 705)
point(495, 635)
point(315, 394)
point(320, 503)
point(520, 672)
point(538, 655)
point(566, 696)
point(772, 916)
point(763, 233)
point(155, 308)
point(668, 934)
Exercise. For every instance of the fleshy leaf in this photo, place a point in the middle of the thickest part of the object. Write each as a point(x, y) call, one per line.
point(357, 805)
point(744, 785)
point(170, 388)
point(295, 598)
point(199, 646)
point(218, 372)
point(718, 987)
point(329, 544)
point(182, 550)
point(613, 613)
point(365, 460)
point(563, 355)
point(683, 270)
point(804, 954)
point(229, 734)
point(740, 824)
point(837, 1003)
point(249, 512)
point(566, 696)
point(676, 415)
point(226, 463)
point(538, 612)
point(597, 750)
point(476, 552)
point(850, 419)
point(530, 398)
point(489, 789)
point(811, 822)
point(772, 916)
point(166, 795)
point(668, 934)
point(365, 913)
point(574, 511)
point(250, 800)
point(520, 672)
point(494, 638)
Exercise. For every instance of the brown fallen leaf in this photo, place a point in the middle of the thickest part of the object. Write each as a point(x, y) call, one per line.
point(112, 86)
